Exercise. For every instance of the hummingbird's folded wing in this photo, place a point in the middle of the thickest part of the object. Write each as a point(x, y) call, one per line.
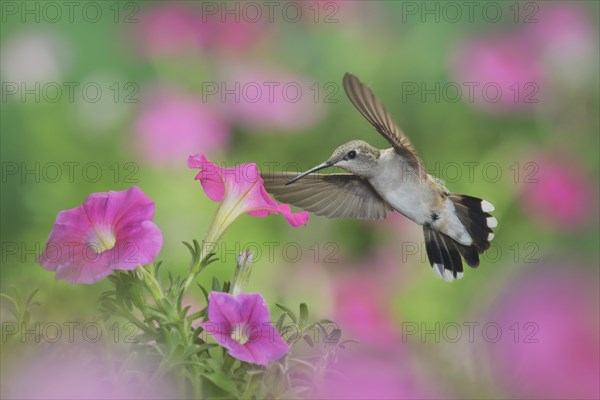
point(373, 110)
point(329, 195)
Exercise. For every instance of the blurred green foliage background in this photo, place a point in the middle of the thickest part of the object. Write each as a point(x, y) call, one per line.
point(161, 68)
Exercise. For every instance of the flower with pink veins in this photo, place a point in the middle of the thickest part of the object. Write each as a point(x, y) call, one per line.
point(109, 231)
point(240, 190)
point(242, 324)
point(171, 123)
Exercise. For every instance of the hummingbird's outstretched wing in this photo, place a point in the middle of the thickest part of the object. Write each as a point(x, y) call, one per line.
point(373, 110)
point(329, 195)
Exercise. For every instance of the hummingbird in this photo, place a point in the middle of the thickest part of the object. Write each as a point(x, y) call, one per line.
point(455, 226)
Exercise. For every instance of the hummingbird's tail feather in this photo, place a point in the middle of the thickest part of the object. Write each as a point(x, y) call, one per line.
point(445, 253)
point(475, 215)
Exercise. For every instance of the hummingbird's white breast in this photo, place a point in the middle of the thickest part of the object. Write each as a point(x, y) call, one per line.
point(402, 187)
point(419, 198)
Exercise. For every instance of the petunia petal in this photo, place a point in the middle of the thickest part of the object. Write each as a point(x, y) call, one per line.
point(108, 231)
point(209, 177)
point(259, 342)
point(269, 347)
point(137, 244)
point(253, 308)
point(85, 266)
point(243, 188)
point(223, 308)
point(294, 220)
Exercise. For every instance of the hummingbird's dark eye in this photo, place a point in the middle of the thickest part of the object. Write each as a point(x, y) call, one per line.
point(351, 154)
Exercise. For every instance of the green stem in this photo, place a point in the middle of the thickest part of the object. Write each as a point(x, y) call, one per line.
point(152, 284)
point(248, 393)
point(217, 227)
point(196, 384)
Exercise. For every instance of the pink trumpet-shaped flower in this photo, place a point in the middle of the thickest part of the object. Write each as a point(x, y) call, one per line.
point(242, 324)
point(240, 190)
point(108, 231)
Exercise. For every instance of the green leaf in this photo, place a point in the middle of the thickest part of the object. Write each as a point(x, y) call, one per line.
point(289, 312)
point(279, 323)
point(7, 297)
point(196, 315)
point(303, 314)
point(209, 259)
point(197, 247)
point(216, 286)
point(226, 286)
point(214, 365)
point(222, 381)
point(308, 340)
point(204, 291)
point(190, 248)
point(30, 298)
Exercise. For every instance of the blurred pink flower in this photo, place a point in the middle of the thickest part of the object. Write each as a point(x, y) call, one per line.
point(361, 300)
point(167, 29)
point(503, 71)
point(266, 100)
point(81, 371)
point(360, 313)
point(242, 324)
point(180, 27)
point(557, 352)
point(108, 231)
point(567, 41)
point(240, 190)
point(229, 35)
point(559, 193)
point(371, 375)
point(170, 124)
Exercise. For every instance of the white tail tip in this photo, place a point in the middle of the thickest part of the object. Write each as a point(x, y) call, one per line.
point(490, 237)
point(491, 222)
point(443, 273)
point(486, 206)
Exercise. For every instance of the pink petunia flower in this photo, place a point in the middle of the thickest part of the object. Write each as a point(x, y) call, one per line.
point(240, 190)
point(108, 231)
point(242, 324)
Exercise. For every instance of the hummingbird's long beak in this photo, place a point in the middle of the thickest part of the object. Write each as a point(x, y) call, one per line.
point(310, 171)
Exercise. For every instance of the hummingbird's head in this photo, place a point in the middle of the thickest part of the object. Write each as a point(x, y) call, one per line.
point(357, 157)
